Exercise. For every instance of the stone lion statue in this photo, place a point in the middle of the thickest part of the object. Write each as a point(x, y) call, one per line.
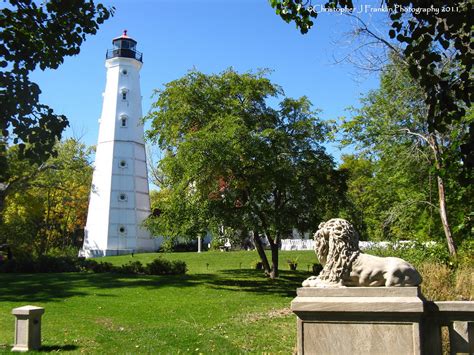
point(337, 248)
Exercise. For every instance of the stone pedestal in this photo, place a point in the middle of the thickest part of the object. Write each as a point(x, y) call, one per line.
point(358, 320)
point(27, 328)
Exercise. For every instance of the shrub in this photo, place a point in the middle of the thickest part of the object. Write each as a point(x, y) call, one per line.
point(48, 263)
point(24, 265)
point(415, 253)
point(86, 264)
point(70, 252)
point(464, 283)
point(103, 266)
point(41, 264)
point(161, 266)
point(466, 253)
point(437, 281)
point(442, 283)
point(8, 266)
point(132, 267)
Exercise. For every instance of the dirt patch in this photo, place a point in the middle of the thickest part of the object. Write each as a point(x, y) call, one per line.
point(272, 314)
point(108, 324)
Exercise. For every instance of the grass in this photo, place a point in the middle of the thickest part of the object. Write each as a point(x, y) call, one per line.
point(221, 305)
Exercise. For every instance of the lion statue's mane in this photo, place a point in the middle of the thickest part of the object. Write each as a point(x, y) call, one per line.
point(337, 249)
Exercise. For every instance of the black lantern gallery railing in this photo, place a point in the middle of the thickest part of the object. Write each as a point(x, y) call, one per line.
point(124, 53)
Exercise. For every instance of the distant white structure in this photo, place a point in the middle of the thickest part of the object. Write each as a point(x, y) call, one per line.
point(297, 244)
point(119, 200)
point(308, 244)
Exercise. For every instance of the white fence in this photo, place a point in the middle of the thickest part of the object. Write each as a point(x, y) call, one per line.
point(297, 244)
point(308, 244)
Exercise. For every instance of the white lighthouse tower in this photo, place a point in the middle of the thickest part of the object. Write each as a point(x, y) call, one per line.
point(119, 200)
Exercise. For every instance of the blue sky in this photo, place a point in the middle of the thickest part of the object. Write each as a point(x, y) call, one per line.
point(209, 35)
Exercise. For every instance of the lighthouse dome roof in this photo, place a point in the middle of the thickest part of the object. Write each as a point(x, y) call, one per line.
point(124, 36)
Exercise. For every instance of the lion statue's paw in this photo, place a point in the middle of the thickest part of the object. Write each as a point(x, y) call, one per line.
point(309, 281)
point(315, 281)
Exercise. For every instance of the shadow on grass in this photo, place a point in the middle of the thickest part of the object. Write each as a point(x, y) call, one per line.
point(43, 349)
point(58, 286)
point(255, 282)
point(55, 287)
point(57, 348)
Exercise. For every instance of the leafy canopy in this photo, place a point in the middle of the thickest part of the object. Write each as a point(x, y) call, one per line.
point(428, 40)
point(394, 182)
point(48, 209)
point(231, 159)
point(37, 35)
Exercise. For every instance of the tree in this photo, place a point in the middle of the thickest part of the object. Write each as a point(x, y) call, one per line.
point(392, 196)
point(436, 49)
point(408, 160)
point(36, 35)
point(50, 209)
point(432, 34)
point(232, 160)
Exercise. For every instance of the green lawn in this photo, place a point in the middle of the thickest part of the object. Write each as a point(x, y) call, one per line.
point(221, 305)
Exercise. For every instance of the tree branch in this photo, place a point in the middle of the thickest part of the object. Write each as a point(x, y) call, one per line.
point(366, 29)
point(422, 137)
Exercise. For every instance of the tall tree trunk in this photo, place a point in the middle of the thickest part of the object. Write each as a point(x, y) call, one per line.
point(274, 248)
point(261, 252)
point(444, 216)
point(442, 195)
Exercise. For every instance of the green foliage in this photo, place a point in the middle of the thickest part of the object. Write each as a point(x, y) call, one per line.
point(88, 264)
point(132, 267)
point(66, 263)
point(416, 253)
point(428, 39)
point(48, 210)
point(36, 35)
point(100, 267)
point(41, 264)
point(465, 255)
point(47, 263)
point(395, 179)
point(232, 160)
point(161, 266)
point(236, 238)
point(177, 245)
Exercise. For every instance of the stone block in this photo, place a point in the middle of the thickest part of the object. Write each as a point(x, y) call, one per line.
point(27, 328)
point(461, 337)
point(358, 320)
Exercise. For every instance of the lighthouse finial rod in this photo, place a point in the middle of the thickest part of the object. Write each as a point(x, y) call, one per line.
point(125, 33)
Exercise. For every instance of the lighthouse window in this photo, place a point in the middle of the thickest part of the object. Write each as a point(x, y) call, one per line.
point(125, 44)
point(123, 122)
point(122, 197)
point(124, 72)
point(122, 230)
point(124, 92)
point(122, 164)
